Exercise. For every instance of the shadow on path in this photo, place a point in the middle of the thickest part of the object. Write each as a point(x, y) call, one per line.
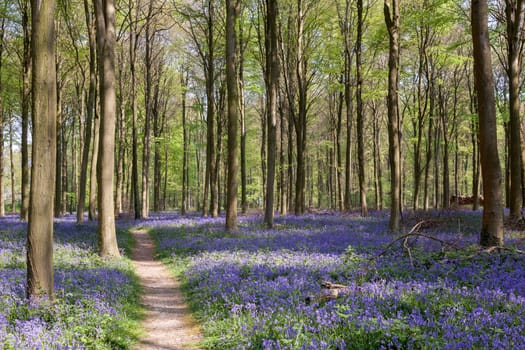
point(168, 324)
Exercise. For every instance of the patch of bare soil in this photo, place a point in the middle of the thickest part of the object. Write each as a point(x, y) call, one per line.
point(168, 324)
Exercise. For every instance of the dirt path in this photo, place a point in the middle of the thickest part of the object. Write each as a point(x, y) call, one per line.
point(168, 324)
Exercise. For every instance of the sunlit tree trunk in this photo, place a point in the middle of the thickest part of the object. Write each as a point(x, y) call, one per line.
point(105, 22)
point(492, 222)
point(40, 226)
point(232, 13)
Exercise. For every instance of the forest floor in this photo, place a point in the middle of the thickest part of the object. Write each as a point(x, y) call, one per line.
point(168, 324)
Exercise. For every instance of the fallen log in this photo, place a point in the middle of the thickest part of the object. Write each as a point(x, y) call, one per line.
point(330, 291)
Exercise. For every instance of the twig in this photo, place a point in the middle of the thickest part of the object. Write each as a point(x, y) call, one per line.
point(413, 233)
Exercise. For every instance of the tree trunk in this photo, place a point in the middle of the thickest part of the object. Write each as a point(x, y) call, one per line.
point(185, 142)
point(348, 103)
point(209, 188)
point(360, 112)
point(26, 105)
point(105, 22)
point(12, 166)
point(2, 119)
point(514, 15)
point(59, 146)
point(282, 168)
point(133, 43)
point(242, 111)
point(300, 120)
point(391, 12)
point(272, 84)
point(232, 13)
point(90, 106)
point(492, 222)
point(40, 227)
point(92, 210)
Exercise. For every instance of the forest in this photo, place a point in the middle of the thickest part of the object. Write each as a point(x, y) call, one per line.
point(334, 174)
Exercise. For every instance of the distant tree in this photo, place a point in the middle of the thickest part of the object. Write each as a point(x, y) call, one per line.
point(492, 222)
point(105, 22)
point(391, 12)
point(232, 14)
point(40, 227)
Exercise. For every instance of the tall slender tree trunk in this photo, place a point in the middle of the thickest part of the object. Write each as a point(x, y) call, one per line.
point(105, 22)
point(185, 142)
point(272, 84)
point(515, 25)
point(492, 222)
point(12, 168)
point(92, 210)
point(148, 101)
point(209, 188)
point(133, 43)
point(360, 112)
point(26, 105)
point(232, 13)
point(391, 12)
point(2, 119)
point(300, 120)
point(40, 227)
point(59, 146)
point(282, 167)
point(90, 111)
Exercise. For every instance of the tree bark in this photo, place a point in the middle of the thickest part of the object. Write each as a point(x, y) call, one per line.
point(272, 84)
point(391, 12)
point(92, 210)
point(133, 42)
point(90, 106)
point(514, 15)
point(232, 13)
point(492, 222)
point(300, 120)
point(105, 22)
point(26, 105)
point(40, 227)
point(185, 142)
point(209, 68)
point(2, 119)
point(12, 166)
point(360, 112)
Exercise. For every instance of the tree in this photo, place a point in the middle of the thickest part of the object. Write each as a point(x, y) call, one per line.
point(391, 12)
point(105, 23)
point(360, 112)
point(232, 13)
point(90, 111)
point(2, 116)
point(40, 226)
point(515, 27)
point(492, 221)
point(26, 105)
point(272, 84)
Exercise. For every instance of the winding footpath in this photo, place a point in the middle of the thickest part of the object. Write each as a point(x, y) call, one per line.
point(168, 324)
